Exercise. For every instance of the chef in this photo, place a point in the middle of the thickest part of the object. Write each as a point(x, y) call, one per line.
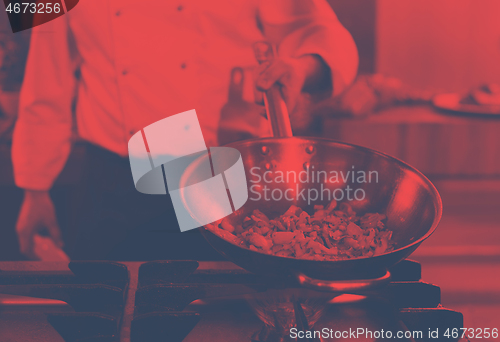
point(109, 68)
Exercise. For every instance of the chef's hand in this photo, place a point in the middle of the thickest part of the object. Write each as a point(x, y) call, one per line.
point(306, 74)
point(240, 119)
point(37, 214)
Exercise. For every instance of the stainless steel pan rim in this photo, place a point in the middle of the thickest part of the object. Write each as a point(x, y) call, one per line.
point(438, 205)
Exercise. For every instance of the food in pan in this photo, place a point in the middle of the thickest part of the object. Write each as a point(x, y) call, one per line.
point(331, 233)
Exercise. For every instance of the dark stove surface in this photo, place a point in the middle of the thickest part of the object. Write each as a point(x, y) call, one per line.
point(195, 301)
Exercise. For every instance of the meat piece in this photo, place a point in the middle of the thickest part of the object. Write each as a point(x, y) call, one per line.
point(354, 230)
point(227, 226)
point(259, 241)
point(292, 211)
point(281, 238)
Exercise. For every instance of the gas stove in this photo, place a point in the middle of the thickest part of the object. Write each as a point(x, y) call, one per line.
point(191, 301)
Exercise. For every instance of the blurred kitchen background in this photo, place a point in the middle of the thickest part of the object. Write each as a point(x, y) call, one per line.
point(409, 52)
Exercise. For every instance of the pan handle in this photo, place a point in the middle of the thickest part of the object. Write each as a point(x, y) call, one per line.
point(342, 286)
point(275, 105)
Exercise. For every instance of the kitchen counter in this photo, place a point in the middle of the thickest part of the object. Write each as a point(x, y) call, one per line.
point(435, 142)
point(463, 255)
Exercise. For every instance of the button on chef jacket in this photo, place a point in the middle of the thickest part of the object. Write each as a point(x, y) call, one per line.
point(112, 67)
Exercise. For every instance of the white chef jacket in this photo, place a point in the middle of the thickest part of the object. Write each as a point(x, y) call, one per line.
point(124, 64)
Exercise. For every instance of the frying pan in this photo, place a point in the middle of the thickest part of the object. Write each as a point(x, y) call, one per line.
point(409, 200)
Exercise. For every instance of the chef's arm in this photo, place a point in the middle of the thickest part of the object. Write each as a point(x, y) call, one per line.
point(42, 135)
point(309, 31)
